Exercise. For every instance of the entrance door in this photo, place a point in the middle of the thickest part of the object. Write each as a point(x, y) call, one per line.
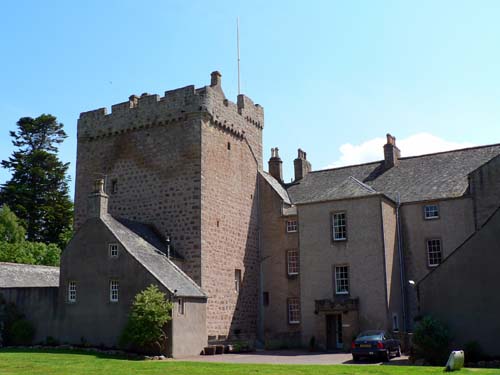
point(334, 332)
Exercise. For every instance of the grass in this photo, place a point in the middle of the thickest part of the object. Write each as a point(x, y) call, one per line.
point(55, 362)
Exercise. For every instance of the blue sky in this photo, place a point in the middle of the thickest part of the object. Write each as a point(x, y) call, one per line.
point(333, 76)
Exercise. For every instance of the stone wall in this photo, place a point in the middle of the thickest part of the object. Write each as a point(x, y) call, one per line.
point(229, 224)
point(276, 282)
point(484, 185)
point(363, 252)
point(462, 290)
point(455, 224)
point(39, 305)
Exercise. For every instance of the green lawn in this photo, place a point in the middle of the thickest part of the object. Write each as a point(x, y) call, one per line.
point(75, 363)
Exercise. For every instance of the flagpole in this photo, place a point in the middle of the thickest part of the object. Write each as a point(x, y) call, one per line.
point(238, 50)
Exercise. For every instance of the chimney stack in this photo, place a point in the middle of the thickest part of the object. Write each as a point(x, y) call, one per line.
point(391, 152)
point(301, 165)
point(275, 165)
point(215, 79)
point(98, 201)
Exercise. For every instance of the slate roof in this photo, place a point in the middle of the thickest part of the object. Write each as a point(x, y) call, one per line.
point(418, 178)
point(154, 260)
point(149, 233)
point(278, 188)
point(15, 275)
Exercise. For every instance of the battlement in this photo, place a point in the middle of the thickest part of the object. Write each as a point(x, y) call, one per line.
point(176, 105)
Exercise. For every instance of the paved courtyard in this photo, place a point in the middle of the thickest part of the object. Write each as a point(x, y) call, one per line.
point(290, 357)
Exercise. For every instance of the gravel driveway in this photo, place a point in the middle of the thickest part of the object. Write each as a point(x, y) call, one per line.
point(290, 357)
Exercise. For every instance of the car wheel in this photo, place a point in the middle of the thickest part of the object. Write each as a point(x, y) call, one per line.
point(398, 351)
point(355, 358)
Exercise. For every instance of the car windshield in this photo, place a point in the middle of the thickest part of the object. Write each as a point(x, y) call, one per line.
point(370, 335)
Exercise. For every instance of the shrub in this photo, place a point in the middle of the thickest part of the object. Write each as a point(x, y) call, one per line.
point(146, 322)
point(473, 352)
point(431, 340)
point(21, 332)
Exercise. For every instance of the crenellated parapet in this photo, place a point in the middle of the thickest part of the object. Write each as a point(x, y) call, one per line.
point(176, 105)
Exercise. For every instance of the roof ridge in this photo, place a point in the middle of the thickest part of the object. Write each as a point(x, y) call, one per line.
point(407, 157)
point(28, 264)
point(450, 151)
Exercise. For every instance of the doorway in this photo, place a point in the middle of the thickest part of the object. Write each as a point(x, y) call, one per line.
point(334, 332)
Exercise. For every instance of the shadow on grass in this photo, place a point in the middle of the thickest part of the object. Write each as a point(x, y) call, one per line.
point(77, 351)
point(373, 361)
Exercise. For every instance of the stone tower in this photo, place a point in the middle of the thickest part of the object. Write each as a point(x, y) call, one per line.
point(186, 163)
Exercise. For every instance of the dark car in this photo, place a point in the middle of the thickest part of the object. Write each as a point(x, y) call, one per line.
point(379, 344)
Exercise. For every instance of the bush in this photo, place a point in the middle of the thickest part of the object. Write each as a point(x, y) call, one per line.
point(431, 340)
point(145, 327)
point(21, 332)
point(473, 352)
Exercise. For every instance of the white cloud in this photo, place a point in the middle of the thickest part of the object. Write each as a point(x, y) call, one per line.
point(372, 150)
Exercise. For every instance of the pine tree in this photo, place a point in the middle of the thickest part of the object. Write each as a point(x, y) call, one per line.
point(38, 191)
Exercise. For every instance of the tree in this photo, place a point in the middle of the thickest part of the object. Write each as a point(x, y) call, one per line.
point(145, 328)
point(11, 230)
point(38, 191)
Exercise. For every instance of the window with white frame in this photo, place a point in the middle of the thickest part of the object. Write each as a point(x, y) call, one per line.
point(114, 287)
point(431, 211)
point(237, 280)
point(180, 306)
point(293, 311)
point(72, 291)
point(339, 226)
point(113, 250)
point(292, 261)
point(342, 279)
point(434, 253)
point(291, 226)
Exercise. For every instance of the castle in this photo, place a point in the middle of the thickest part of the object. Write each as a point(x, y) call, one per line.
point(182, 201)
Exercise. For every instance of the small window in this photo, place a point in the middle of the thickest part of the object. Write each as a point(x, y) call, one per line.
point(431, 211)
point(72, 291)
point(237, 280)
point(293, 311)
point(434, 252)
point(229, 145)
point(341, 279)
point(114, 186)
point(292, 261)
point(291, 226)
point(113, 250)
point(395, 322)
point(265, 298)
point(114, 286)
point(339, 226)
point(180, 306)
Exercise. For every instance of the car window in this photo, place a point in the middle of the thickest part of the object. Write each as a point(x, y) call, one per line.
point(370, 336)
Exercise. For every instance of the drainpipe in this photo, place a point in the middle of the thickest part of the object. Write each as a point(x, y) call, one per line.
point(401, 262)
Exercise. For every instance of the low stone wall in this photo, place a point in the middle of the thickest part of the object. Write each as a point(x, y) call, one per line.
point(39, 305)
